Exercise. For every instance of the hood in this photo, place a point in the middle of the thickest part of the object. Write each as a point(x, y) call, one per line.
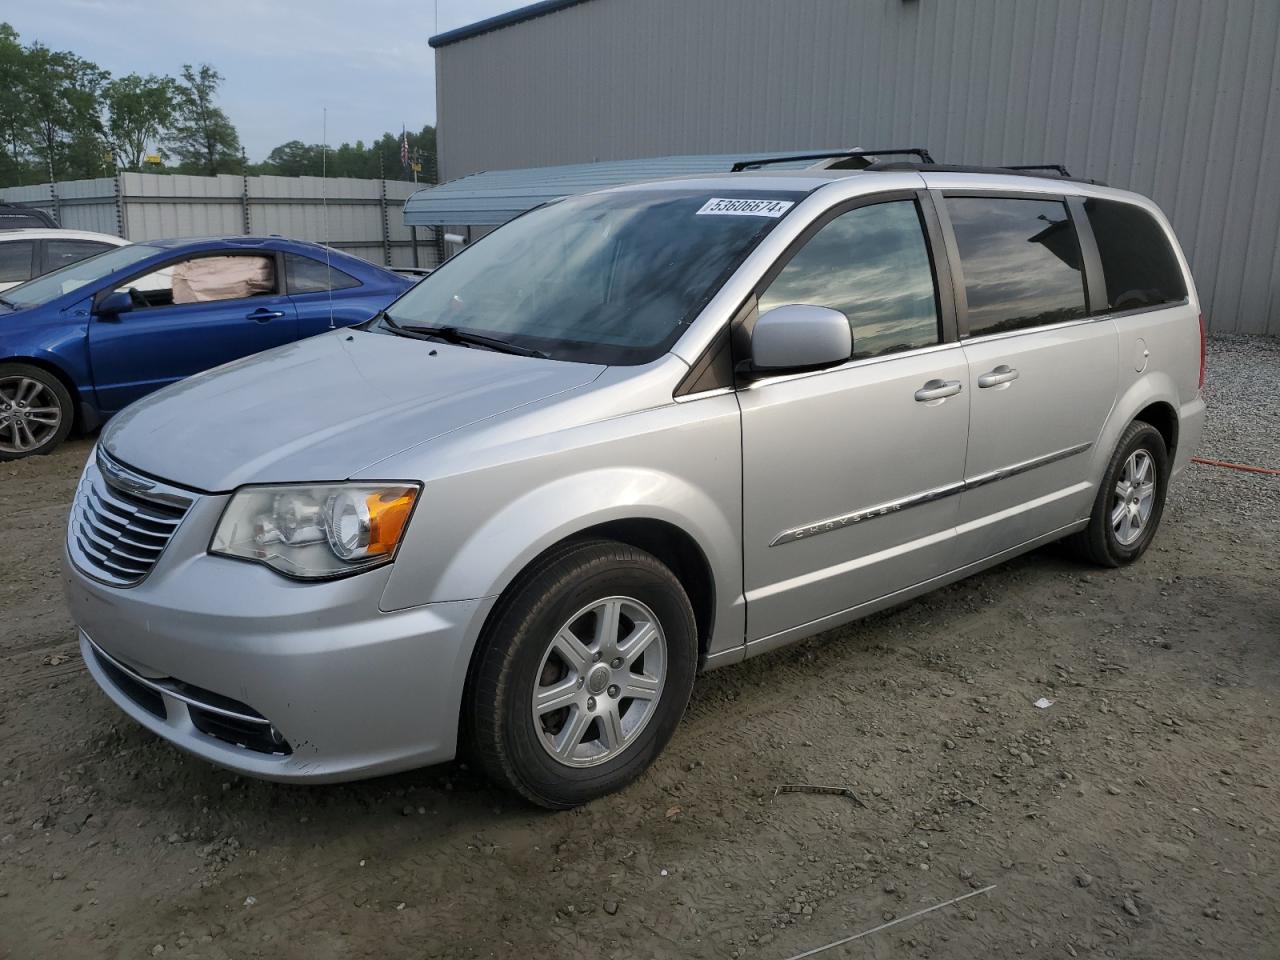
point(324, 408)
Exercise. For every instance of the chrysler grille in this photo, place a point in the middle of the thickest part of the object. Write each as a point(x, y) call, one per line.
point(117, 535)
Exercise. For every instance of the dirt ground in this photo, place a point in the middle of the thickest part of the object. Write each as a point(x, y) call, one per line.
point(1138, 816)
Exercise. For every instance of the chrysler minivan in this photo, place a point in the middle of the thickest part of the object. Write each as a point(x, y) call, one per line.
point(626, 437)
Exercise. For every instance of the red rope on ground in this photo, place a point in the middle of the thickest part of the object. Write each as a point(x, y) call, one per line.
point(1236, 466)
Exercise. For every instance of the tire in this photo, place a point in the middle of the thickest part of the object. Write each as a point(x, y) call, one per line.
point(1113, 544)
point(36, 412)
point(600, 744)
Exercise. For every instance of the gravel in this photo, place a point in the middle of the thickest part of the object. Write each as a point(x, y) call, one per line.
point(1242, 425)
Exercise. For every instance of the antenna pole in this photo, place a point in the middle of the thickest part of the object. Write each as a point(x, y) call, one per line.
point(324, 205)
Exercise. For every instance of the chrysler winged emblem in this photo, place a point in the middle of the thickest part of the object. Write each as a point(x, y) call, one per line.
point(121, 477)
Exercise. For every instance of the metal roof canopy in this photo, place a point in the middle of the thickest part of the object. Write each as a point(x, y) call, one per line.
point(496, 196)
point(508, 19)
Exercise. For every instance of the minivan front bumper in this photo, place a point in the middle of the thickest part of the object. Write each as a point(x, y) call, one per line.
point(274, 678)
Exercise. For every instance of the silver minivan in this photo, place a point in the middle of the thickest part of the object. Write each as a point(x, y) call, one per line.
point(629, 436)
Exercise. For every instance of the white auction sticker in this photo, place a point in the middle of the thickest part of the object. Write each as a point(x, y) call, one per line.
point(731, 207)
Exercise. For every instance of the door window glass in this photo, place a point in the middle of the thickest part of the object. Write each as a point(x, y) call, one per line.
point(15, 260)
point(871, 264)
point(1021, 262)
point(1138, 263)
point(62, 253)
point(205, 280)
point(304, 275)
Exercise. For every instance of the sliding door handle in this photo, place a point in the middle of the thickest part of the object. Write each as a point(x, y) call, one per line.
point(1001, 374)
point(937, 390)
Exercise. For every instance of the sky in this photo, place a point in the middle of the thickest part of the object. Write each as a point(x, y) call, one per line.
point(284, 61)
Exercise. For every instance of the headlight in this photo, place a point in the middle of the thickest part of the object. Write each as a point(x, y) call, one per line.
point(314, 532)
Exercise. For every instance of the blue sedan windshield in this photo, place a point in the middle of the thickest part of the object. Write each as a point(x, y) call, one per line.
point(77, 275)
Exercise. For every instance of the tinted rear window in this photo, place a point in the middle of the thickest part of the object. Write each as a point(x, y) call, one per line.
point(305, 275)
point(61, 253)
point(15, 260)
point(1021, 262)
point(1139, 265)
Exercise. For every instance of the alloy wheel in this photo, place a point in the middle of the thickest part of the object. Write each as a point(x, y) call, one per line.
point(1135, 497)
point(599, 681)
point(29, 415)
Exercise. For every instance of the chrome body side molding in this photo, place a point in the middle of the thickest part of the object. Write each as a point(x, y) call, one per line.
point(927, 496)
point(1016, 468)
point(868, 513)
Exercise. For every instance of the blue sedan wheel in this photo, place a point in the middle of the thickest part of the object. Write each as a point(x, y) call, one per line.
point(35, 411)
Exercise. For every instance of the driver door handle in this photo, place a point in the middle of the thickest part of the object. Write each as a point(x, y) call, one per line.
point(262, 315)
point(1001, 374)
point(937, 390)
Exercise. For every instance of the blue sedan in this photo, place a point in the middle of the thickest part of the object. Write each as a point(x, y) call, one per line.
point(81, 343)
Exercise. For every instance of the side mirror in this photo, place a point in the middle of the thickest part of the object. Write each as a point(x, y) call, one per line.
point(113, 304)
point(797, 336)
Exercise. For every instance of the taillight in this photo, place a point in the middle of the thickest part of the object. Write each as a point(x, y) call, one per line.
point(1202, 351)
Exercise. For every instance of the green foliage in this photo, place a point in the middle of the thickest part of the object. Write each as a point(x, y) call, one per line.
point(378, 160)
point(64, 116)
point(202, 136)
point(139, 110)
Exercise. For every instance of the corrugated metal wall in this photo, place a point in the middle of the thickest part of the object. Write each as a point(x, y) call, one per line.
point(1177, 99)
point(150, 206)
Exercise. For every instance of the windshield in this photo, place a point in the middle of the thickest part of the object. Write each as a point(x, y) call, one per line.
point(610, 278)
point(73, 277)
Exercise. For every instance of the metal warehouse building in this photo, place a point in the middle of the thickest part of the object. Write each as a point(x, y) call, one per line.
point(1177, 99)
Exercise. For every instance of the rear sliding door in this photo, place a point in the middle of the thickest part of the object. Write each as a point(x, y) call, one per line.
point(1042, 372)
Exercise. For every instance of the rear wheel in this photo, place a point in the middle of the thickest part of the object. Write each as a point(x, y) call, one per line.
point(584, 674)
point(1130, 501)
point(35, 411)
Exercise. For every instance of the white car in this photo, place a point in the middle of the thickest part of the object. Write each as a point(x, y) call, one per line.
point(26, 254)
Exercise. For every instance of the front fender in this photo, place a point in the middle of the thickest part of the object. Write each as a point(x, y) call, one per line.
point(680, 464)
point(488, 562)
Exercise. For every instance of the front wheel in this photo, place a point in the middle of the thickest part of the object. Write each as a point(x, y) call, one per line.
point(1130, 501)
point(584, 675)
point(35, 411)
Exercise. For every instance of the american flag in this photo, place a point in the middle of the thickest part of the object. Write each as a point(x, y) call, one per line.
point(404, 148)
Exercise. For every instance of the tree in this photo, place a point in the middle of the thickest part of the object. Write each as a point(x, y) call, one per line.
point(202, 136)
point(15, 112)
point(63, 95)
point(295, 159)
point(139, 110)
point(382, 158)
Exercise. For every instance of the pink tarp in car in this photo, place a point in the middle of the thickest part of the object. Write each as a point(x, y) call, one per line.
point(222, 278)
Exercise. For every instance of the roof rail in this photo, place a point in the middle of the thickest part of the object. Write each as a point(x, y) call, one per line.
point(920, 152)
point(1030, 170)
point(1057, 167)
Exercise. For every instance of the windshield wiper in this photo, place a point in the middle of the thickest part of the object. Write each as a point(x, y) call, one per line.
point(463, 338)
point(8, 303)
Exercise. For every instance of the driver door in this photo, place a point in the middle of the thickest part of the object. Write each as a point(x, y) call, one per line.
point(851, 475)
point(176, 329)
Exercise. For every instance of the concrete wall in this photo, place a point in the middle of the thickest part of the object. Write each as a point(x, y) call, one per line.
point(1177, 99)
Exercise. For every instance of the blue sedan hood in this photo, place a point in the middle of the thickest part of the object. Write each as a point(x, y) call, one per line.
point(324, 408)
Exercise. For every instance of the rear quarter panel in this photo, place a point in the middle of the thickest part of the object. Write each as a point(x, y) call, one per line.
point(1159, 362)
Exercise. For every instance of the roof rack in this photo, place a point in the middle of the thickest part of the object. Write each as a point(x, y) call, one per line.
point(1017, 170)
point(1057, 167)
point(920, 152)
